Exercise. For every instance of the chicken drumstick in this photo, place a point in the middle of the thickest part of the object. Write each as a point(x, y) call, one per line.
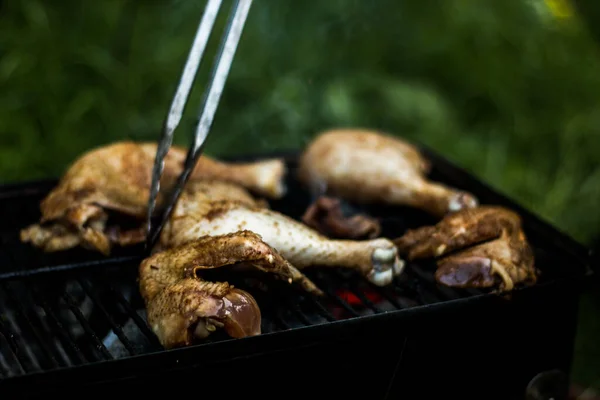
point(367, 166)
point(192, 218)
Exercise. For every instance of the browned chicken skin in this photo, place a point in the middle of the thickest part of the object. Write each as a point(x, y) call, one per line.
point(194, 216)
point(478, 247)
point(181, 306)
point(368, 166)
point(117, 177)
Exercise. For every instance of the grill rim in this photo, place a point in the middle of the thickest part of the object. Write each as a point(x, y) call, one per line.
point(145, 364)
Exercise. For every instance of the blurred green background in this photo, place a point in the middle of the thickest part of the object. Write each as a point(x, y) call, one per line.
point(509, 90)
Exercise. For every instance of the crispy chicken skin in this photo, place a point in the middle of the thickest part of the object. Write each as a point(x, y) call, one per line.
point(376, 259)
point(479, 247)
point(373, 167)
point(326, 216)
point(117, 177)
point(181, 306)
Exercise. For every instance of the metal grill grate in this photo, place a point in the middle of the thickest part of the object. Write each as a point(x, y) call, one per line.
point(70, 318)
point(73, 308)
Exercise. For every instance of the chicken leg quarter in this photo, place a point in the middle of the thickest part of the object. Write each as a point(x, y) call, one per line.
point(117, 178)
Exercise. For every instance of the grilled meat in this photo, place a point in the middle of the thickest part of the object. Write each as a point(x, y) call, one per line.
point(182, 306)
point(117, 178)
point(326, 216)
point(479, 247)
point(198, 193)
point(302, 246)
point(457, 231)
point(508, 258)
point(370, 167)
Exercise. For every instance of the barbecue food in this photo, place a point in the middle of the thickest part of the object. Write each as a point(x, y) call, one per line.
point(480, 247)
point(508, 258)
point(457, 231)
point(326, 215)
point(195, 217)
point(181, 306)
point(117, 178)
point(370, 167)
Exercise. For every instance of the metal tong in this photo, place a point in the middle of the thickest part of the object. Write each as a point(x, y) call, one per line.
point(212, 95)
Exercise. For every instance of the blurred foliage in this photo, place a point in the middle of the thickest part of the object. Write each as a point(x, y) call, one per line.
point(504, 89)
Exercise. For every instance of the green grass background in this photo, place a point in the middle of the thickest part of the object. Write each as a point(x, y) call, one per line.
point(502, 88)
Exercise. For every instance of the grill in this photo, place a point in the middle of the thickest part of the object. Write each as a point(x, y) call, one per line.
point(74, 321)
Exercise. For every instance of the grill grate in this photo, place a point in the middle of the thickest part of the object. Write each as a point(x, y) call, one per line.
point(74, 308)
point(73, 318)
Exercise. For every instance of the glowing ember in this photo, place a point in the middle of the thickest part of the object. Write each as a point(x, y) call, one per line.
point(352, 299)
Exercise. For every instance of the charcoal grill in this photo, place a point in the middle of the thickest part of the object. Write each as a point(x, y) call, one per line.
point(72, 323)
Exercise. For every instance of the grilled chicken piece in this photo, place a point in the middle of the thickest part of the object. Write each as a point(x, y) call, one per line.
point(508, 260)
point(480, 247)
point(372, 167)
point(117, 177)
point(457, 231)
point(303, 247)
point(326, 215)
point(198, 193)
point(181, 306)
